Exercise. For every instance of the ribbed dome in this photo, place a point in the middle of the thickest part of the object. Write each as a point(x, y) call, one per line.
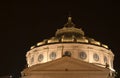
point(70, 34)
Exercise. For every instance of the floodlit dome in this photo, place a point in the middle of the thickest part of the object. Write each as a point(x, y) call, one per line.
point(72, 42)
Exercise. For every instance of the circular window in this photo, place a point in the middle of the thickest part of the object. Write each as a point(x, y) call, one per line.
point(82, 55)
point(31, 60)
point(40, 57)
point(105, 59)
point(96, 57)
point(53, 55)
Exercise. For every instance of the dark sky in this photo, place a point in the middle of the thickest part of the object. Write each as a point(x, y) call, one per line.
point(23, 23)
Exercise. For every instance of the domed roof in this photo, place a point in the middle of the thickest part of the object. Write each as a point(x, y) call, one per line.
point(70, 41)
point(70, 34)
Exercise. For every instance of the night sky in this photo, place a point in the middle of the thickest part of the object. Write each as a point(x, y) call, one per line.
point(23, 23)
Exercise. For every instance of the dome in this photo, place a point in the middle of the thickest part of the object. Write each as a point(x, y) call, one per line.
point(70, 41)
point(69, 33)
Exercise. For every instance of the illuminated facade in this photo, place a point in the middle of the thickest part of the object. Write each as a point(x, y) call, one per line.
point(69, 55)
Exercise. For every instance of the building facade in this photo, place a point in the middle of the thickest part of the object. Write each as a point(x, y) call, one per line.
point(69, 54)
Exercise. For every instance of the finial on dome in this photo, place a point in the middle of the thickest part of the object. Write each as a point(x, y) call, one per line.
point(69, 19)
point(69, 23)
